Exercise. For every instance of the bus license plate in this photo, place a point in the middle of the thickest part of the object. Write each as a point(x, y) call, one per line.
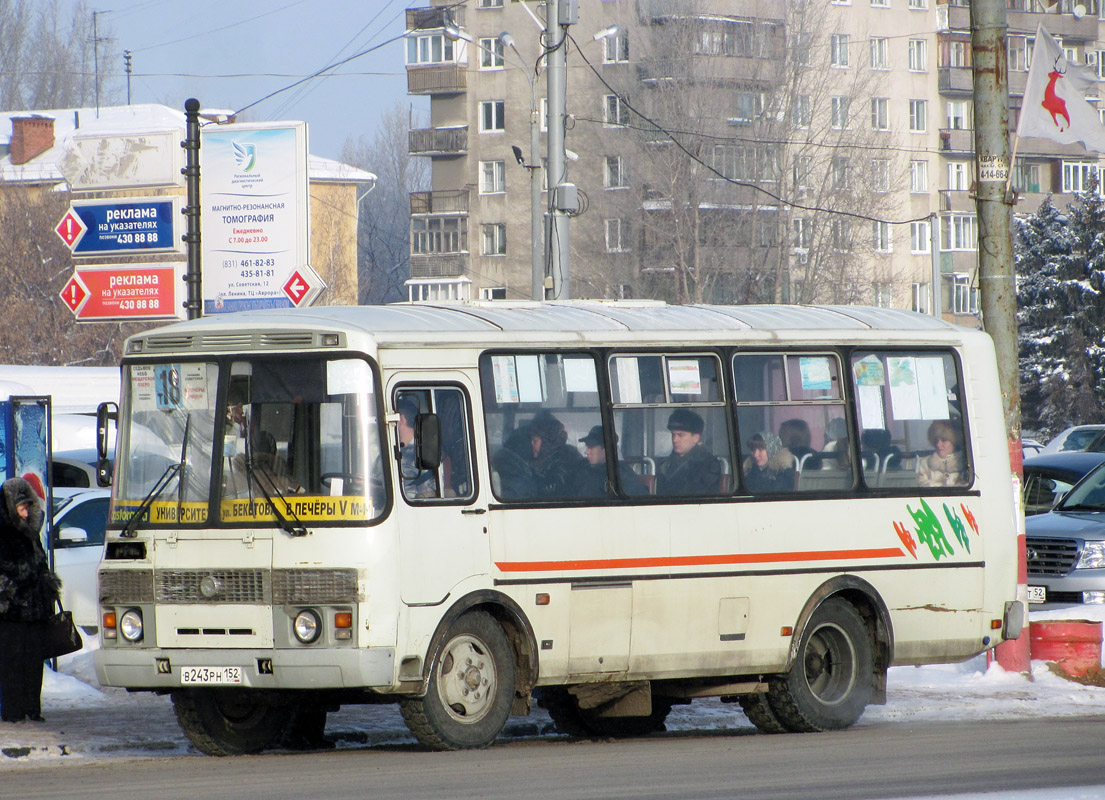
point(211, 675)
point(1037, 594)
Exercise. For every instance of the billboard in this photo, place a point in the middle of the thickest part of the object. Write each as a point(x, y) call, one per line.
point(96, 162)
point(255, 216)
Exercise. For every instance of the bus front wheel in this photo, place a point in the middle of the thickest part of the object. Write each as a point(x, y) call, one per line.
point(471, 687)
point(230, 722)
point(832, 679)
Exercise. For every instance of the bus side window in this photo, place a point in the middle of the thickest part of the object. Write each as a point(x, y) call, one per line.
point(452, 477)
point(910, 413)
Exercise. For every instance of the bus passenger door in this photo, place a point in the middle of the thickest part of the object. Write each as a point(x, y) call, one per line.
point(442, 535)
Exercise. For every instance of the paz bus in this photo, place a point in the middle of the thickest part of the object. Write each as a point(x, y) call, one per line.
point(408, 503)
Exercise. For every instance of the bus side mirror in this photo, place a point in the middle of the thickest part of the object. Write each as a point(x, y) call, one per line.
point(427, 441)
point(107, 414)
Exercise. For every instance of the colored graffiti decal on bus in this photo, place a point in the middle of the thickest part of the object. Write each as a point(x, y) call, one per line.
point(907, 538)
point(931, 533)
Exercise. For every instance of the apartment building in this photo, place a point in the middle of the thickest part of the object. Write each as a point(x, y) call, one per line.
point(725, 150)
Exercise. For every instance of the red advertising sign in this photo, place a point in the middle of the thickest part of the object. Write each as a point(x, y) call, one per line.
point(131, 292)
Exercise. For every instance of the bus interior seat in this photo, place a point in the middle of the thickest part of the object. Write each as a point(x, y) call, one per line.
point(824, 479)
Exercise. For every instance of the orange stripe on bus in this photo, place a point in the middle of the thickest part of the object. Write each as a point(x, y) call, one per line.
point(695, 561)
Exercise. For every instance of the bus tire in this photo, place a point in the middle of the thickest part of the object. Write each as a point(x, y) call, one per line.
point(230, 722)
point(831, 680)
point(759, 712)
point(470, 690)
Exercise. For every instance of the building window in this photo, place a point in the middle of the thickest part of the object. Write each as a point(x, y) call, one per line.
point(918, 55)
point(750, 105)
point(840, 235)
point(957, 176)
point(918, 4)
point(491, 4)
point(1026, 177)
point(964, 296)
point(492, 116)
point(884, 295)
point(879, 52)
point(880, 3)
point(439, 235)
point(768, 228)
point(802, 112)
point(615, 174)
point(434, 49)
point(957, 54)
point(802, 49)
point(494, 239)
point(918, 176)
point(919, 237)
point(615, 49)
point(799, 234)
point(493, 293)
point(920, 300)
point(880, 113)
point(614, 111)
point(1077, 175)
point(802, 170)
point(959, 232)
point(1017, 53)
point(918, 116)
point(617, 240)
point(838, 47)
point(880, 175)
point(881, 233)
point(957, 115)
point(491, 54)
point(840, 113)
point(839, 172)
point(492, 177)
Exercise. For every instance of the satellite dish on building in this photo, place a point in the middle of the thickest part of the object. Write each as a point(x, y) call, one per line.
point(1079, 11)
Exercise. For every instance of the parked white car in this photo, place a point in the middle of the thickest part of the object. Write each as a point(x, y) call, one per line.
point(80, 524)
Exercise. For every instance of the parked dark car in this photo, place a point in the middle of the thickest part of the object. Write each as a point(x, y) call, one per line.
point(1066, 546)
point(1047, 478)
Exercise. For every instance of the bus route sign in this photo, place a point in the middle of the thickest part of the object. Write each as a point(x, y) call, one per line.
point(113, 227)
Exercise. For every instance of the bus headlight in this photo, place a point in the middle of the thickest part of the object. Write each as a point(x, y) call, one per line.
point(130, 625)
point(307, 626)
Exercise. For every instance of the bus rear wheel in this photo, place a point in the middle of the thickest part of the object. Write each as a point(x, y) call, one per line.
point(471, 687)
point(759, 712)
point(832, 679)
point(230, 722)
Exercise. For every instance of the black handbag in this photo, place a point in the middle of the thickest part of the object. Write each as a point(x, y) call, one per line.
point(59, 635)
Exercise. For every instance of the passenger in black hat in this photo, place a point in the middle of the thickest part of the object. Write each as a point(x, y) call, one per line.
point(593, 481)
point(691, 469)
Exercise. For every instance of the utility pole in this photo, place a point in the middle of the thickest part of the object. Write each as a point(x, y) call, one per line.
point(126, 66)
point(96, 55)
point(563, 197)
point(997, 280)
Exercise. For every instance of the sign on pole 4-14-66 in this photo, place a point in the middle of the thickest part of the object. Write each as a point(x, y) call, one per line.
point(130, 292)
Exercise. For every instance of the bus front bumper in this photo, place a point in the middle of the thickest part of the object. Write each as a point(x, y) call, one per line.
point(155, 668)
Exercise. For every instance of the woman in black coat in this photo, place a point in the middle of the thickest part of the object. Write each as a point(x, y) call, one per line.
point(28, 593)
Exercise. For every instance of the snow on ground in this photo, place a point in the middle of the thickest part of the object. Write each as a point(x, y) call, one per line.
point(85, 722)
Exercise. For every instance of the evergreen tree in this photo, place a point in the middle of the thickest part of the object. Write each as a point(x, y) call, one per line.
point(1061, 312)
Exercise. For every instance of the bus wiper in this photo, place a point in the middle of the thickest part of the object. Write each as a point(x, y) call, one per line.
point(129, 531)
point(299, 529)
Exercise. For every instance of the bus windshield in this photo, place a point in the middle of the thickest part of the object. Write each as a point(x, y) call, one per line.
point(232, 442)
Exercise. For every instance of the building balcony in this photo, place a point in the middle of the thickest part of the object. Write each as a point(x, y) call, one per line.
point(437, 79)
point(956, 79)
point(438, 141)
point(954, 16)
point(419, 19)
point(1061, 26)
point(439, 265)
point(450, 201)
point(959, 201)
point(704, 70)
point(957, 140)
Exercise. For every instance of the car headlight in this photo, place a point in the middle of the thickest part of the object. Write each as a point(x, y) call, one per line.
point(1093, 556)
point(307, 626)
point(130, 625)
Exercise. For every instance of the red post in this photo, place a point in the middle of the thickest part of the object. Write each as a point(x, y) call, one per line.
point(1014, 655)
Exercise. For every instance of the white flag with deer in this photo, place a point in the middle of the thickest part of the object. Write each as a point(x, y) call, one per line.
point(1055, 104)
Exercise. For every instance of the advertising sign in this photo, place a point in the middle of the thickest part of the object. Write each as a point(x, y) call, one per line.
point(126, 292)
point(95, 162)
point(114, 227)
point(255, 216)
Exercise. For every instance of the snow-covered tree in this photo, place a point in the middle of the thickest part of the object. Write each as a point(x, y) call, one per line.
point(1061, 313)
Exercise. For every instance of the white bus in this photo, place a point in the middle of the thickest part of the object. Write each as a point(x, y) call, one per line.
point(611, 507)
